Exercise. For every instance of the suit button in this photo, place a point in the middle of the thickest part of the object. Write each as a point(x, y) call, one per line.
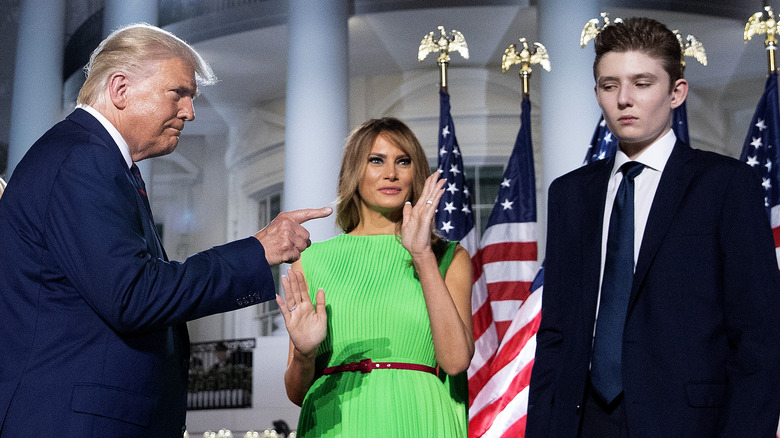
point(579, 407)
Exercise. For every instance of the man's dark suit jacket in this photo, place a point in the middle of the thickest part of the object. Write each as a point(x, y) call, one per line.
point(93, 340)
point(701, 342)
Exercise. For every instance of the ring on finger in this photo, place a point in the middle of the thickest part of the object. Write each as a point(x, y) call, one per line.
point(292, 308)
point(429, 202)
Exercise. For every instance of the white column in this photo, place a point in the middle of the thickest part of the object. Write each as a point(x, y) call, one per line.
point(37, 94)
point(569, 109)
point(317, 107)
point(118, 13)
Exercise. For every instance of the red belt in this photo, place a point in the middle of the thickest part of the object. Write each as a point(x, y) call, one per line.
point(366, 366)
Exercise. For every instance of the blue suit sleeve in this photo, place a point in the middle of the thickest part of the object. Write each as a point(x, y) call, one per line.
point(95, 230)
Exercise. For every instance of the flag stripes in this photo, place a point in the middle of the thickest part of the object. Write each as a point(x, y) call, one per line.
point(505, 313)
point(504, 396)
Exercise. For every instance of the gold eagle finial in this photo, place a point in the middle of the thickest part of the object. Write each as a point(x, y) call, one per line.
point(592, 28)
point(525, 57)
point(444, 44)
point(692, 47)
point(757, 26)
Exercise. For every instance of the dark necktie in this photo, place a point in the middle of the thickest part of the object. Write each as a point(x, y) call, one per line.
point(139, 184)
point(605, 372)
point(173, 337)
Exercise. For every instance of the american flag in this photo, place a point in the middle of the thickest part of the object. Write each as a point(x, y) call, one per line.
point(604, 144)
point(680, 123)
point(454, 216)
point(454, 219)
point(760, 152)
point(506, 307)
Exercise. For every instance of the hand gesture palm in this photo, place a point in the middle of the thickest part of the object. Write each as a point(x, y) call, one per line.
point(306, 324)
point(418, 220)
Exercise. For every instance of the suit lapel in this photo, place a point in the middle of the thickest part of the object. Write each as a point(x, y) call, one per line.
point(83, 118)
point(674, 182)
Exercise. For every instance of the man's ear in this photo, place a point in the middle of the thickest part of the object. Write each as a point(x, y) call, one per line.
point(679, 92)
point(118, 84)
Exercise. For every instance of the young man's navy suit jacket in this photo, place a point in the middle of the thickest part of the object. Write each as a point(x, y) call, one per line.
point(701, 342)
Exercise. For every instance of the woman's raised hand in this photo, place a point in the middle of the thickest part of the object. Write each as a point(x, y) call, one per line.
point(418, 219)
point(305, 324)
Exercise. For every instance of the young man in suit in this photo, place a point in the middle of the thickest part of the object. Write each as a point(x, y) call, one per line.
point(92, 314)
point(662, 291)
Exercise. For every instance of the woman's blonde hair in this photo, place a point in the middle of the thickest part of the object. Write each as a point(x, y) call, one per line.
point(130, 49)
point(355, 160)
point(353, 165)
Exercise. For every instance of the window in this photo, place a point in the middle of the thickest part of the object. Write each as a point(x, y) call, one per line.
point(484, 182)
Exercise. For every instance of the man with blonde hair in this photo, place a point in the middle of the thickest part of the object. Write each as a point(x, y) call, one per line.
point(94, 340)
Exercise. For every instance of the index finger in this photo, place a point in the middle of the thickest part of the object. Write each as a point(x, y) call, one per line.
point(306, 214)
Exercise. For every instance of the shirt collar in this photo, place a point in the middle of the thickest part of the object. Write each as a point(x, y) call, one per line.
point(654, 157)
point(120, 142)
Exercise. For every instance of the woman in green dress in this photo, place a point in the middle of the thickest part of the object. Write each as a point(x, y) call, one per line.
point(399, 301)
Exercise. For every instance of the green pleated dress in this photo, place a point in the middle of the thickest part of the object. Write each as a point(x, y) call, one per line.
point(376, 311)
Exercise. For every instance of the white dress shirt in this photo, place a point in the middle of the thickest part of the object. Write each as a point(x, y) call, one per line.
point(123, 147)
point(645, 184)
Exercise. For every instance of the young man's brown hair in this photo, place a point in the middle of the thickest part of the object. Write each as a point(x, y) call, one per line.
point(641, 35)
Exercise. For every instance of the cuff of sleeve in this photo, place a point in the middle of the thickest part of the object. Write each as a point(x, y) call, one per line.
point(248, 256)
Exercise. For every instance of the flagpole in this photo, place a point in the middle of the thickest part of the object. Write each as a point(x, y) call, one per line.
point(454, 217)
point(506, 302)
point(525, 57)
point(444, 63)
point(444, 44)
point(757, 25)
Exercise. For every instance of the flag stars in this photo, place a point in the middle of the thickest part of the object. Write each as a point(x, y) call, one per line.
point(451, 187)
point(766, 183)
point(507, 204)
point(449, 206)
point(446, 226)
point(756, 143)
point(456, 151)
point(466, 192)
point(768, 165)
point(761, 125)
point(454, 169)
point(752, 161)
point(505, 182)
point(443, 151)
point(608, 138)
point(445, 132)
point(466, 209)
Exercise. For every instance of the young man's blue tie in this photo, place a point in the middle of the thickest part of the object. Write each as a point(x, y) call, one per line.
point(605, 372)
